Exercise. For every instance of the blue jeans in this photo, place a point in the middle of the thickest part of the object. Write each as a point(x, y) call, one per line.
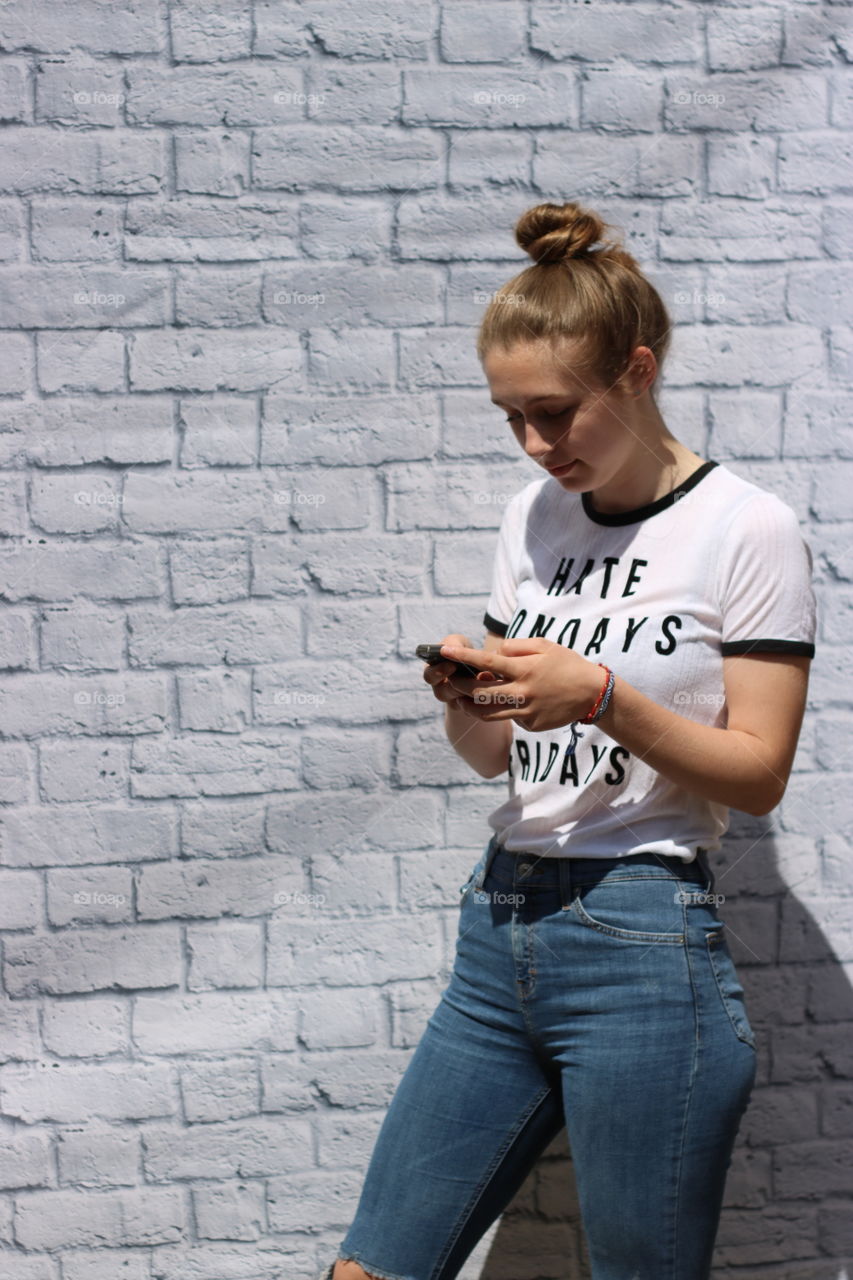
point(599, 994)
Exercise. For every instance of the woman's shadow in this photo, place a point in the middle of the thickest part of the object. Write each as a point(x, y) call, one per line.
point(788, 1205)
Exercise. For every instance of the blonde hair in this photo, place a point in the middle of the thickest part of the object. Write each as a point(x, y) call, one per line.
point(598, 298)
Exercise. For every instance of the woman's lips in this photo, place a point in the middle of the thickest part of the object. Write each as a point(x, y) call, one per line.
point(564, 470)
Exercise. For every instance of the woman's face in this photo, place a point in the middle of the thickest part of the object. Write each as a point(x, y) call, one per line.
point(561, 416)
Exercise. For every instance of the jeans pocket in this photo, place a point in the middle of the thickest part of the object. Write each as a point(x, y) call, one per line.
point(635, 908)
point(729, 986)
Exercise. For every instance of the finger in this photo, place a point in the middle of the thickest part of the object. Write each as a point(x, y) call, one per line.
point(487, 659)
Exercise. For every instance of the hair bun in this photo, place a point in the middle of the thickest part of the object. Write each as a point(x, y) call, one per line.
point(554, 233)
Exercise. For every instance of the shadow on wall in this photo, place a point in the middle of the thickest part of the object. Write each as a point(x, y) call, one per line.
point(788, 1207)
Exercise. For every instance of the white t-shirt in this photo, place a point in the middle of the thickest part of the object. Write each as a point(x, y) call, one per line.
point(661, 595)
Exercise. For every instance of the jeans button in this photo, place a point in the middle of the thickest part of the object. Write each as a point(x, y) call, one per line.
point(524, 868)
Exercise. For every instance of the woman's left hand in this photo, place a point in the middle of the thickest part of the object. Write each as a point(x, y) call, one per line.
point(542, 685)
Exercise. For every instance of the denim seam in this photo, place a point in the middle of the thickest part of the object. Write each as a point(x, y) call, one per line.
point(495, 1165)
point(627, 935)
point(711, 940)
point(694, 1072)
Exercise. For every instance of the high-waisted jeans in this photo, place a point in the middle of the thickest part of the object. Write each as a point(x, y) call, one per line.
point(599, 994)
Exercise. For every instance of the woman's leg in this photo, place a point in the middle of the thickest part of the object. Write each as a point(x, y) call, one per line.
point(658, 1063)
point(473, 1111)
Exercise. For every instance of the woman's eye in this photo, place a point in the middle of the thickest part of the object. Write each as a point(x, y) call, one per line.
point(561, 413)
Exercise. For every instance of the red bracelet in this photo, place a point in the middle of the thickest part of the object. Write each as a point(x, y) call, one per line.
point(587, 719)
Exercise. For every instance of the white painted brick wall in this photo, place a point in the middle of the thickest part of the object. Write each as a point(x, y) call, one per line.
point(244, 248)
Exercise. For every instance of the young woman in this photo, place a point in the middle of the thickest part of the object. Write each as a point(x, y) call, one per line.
point(666, 604)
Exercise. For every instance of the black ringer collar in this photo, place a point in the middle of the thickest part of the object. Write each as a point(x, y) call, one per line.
point(651, 508)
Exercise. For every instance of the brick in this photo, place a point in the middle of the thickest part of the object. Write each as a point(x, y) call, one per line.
point(330, 953)
point(482, 32)
point(124, 704)
point(76, 430)
point(17, 640)
point(19, 1031)
point(82, 637)
point(90, 1027)
point(204, 32)
point(20, 899)
point(213, 360)
point(611, 32)
point(230, 1213)
point(214, 163)
point(201, 888)
point(96, 1155)
point(71, 1092)
point(201, 635)
point(79, 91)
point(315, 293)
point(246, 1149)
point(340, 1020)
point(214, 1022)
point(83, 895)
point(63, 1219)
point(25, 1159)
point(101, 162)
point(223, 956)
point(196, 228)
point(240, 95)
point(225, 1089)
point(489, 99)
point(30, 571)
point(220, 299)
point(370, 158)
point(96, 959)
point(81, 770)
point(220, 701)
point(196, 766)
point(68, 835)
point(78, 229)
point(81, 361)
point(54, 27)
point(358, 29)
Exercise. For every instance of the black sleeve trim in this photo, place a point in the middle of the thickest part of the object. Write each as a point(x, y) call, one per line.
point(492, 624)
point(800, 647)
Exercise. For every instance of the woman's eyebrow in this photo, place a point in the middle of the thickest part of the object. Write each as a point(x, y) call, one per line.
point(554, 395)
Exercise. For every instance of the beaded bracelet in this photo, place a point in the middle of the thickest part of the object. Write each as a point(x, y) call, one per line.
point(598, 709)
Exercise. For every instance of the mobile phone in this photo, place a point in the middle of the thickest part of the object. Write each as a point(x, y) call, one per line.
point(431, 653)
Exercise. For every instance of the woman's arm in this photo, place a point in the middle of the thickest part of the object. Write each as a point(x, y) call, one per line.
point(745, 765)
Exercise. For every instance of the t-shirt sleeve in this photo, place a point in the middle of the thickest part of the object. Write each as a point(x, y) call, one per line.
point(502, 601)
point(765, 590)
